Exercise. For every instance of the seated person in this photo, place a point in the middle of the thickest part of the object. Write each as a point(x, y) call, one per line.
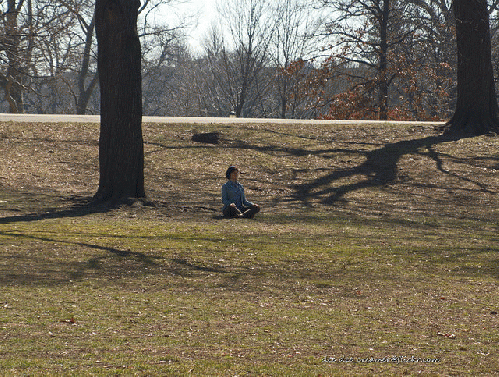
point(233, 198)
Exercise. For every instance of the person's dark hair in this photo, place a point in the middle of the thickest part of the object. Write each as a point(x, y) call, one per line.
point(230, 170)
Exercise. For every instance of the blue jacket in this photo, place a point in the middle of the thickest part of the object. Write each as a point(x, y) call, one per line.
point(234, 193)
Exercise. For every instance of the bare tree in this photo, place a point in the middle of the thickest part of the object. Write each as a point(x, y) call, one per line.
point(86, 72)
point(294, 40)
point(40, 48)
point(49, 49)
point(239, 63)
point(13, 45)
point(168, 83)
point(364, 35)
point(423, 88)
point(164, 60)
point(78, 69)
point(393, 54)
point(159, 42)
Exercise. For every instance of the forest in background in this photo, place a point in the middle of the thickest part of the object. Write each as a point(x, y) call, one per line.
point(342, 59)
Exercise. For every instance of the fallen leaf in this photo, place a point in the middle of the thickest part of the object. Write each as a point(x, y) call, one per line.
point(450, 336)
point(71, 321)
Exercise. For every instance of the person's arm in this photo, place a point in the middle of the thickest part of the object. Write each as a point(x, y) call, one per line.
point(225, 196)
point(246, 203)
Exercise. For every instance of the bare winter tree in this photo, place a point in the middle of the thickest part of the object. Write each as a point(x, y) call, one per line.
point(13, 45)
point(159, 41)
point(391, 56)
point(294, 40)
point(430, 52)
point(49, 54)
point(86, 73)
point(165, 59)
point(364, 35)
point(238, 65)
point(217, 76)
point(78, 69)
point(40, 45)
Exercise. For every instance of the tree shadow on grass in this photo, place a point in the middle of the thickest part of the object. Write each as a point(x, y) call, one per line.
point(40, 262)
point(49, 261)
point(379, 169)
point(42, 266)
point(45, 268)
point(35, 267)
point(77, 207)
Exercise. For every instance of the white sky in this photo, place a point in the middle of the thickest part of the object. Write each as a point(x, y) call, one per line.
point(202, 11)
point(203, 14)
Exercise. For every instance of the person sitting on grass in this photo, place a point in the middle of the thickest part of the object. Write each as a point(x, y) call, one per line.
point(233, 198)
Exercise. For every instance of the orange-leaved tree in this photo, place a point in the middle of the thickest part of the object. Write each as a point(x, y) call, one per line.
point(385, 66)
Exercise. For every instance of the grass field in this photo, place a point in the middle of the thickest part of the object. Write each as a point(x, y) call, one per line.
point(375, 254)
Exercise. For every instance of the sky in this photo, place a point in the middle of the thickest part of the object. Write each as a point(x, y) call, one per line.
point(203, 11)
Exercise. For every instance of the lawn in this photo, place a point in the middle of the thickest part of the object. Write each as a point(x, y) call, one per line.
point(375, 254)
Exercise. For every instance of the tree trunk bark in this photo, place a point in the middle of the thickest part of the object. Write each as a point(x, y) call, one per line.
point(476, 108)
point(121, 147)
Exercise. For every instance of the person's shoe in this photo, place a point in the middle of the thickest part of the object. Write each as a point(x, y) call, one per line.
point(249, 214)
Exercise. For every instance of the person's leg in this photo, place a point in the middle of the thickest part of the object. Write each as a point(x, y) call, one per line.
point(232, 211)
point(251, 211)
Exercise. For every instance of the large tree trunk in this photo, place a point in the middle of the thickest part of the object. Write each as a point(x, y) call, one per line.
point(121, 147)
point(476, 109)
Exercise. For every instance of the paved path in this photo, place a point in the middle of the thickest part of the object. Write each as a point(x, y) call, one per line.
point(54, 118)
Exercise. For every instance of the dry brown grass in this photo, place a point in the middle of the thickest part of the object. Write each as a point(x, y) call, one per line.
point(366, 169)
